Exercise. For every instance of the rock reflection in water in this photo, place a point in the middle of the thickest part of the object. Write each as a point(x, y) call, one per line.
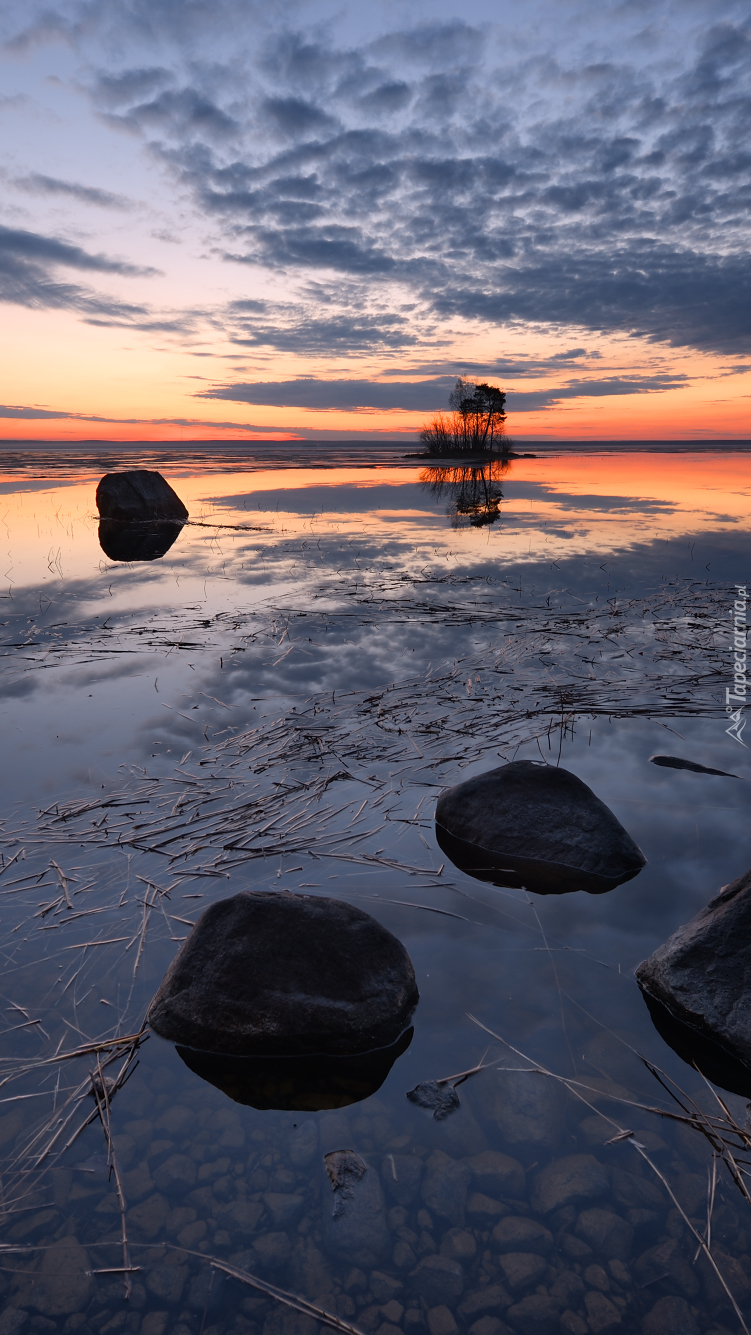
point(699, 1052)
point(142, 541)
point(473, 490)
point(296, 1084)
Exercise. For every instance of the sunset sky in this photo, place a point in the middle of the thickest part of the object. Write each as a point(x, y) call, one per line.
point(228, 219)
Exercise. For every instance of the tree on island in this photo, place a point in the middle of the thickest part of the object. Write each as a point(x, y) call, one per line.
point(475, 424)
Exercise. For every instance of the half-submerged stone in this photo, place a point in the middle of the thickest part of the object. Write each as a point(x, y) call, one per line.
point(138, 494)
point(532, 825)
point(284, 975)
point(698, 988)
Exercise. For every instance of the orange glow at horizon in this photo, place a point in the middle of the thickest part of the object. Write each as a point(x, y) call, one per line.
point(135, 386)
point(733, 425)
point(574, 420)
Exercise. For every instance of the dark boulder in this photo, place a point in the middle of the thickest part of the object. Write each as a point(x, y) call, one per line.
point(284, 975)
point(296, 1084)
point(698, 988)
point(121, 541)
point(138, 494)
point(531, 825)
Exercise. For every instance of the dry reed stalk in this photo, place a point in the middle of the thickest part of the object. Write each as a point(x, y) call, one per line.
point(101, 1091)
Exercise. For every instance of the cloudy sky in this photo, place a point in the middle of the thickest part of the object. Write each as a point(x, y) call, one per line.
point(224, 218)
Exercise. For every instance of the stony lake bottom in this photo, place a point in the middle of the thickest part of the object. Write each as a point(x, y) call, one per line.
point(275, 703)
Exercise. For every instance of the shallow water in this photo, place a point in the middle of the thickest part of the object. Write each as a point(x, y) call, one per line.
point(276, 703)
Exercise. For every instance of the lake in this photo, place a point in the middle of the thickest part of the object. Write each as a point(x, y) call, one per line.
point(274, 700)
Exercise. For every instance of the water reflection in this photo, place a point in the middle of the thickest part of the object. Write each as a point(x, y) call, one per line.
point(296, 1084)
point(700, 1052)
point(122, 541)
point(195, 1153)
point(473, 491)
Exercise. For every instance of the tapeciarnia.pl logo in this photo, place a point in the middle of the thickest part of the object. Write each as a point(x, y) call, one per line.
point(735, 700)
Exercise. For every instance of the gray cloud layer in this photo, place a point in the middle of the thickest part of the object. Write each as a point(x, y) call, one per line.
point(618, 203)
point(421, 395)
point(31, 248)
point(28, 265)
point(25, 414)
point(418, 396)
point(562, 173)
point(38, 184)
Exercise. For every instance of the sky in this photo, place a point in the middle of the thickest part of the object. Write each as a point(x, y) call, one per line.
point(232, 219)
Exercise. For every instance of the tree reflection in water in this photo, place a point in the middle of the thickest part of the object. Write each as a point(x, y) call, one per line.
point(473, 490)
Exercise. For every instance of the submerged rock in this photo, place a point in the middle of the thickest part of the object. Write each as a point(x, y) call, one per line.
point(486, 1299)
point(63, 1283)
point(516, 1233)
point(527, 1108)
point(497, 1174)
point(606, 1233)
point(440, 1099)
point(602, 1315)
point(402, 1174)
point(121, 541)
point(522, 1270)
point(531, 825)
point(437, 1280)
point(138, 494)
point(344, 1169)
point(355, 1227)
point(670, 1316)
point(577, 1177)
point(698, 988)
point(444, 1187)
point(534, 1315)
point(283, 974)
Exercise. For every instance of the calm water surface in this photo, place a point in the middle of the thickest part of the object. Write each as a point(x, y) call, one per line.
point(276, 703)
